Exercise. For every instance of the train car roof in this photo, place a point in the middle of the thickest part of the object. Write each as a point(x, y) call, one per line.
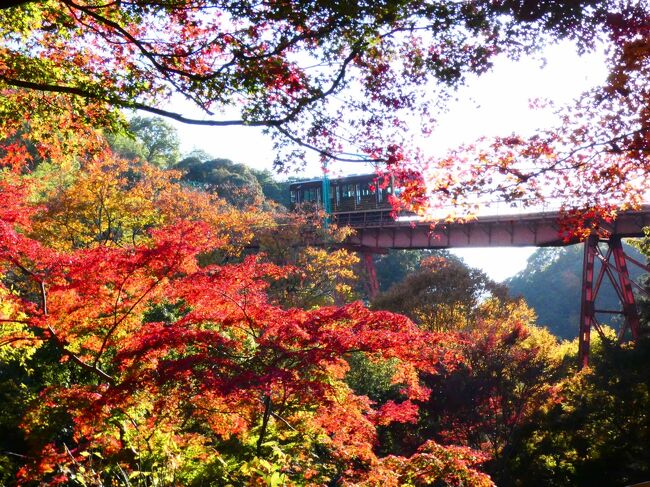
point(344, 179)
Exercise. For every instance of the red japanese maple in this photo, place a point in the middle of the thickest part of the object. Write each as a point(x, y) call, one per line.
point(173, 362)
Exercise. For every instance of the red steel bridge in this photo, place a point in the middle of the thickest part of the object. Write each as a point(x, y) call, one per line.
point(363, 203)
point(603, 256)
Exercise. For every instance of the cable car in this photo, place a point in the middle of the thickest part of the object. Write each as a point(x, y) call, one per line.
point(354, 200)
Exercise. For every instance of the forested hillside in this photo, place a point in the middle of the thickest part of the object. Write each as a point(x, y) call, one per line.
point(154, 140)
point(444, 377)
point(551, 284)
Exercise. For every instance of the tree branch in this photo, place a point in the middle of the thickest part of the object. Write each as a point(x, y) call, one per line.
point(324, 152)
point(43, 298)
point(117, 322)
point(86, 366)
point(62, 345)
point(73, 90)
point(265, 422)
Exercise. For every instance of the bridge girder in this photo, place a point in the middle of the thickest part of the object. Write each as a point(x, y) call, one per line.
point(539, 230)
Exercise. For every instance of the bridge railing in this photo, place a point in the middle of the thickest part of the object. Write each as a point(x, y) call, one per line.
point(487, 210)
point(384, 217)
point(498, 208)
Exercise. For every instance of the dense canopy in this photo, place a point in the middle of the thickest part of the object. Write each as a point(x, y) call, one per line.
point(349, 80)
point(153, 332)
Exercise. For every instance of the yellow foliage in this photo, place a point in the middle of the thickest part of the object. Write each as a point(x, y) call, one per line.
point(15, 337)
point(329, 268)
point(444, 316)
point(115, 202)
point(499, 311)
point(105, 204)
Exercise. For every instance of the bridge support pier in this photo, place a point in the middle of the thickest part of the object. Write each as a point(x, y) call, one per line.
point(619, 277)
point(373, 283)
point(587, 315)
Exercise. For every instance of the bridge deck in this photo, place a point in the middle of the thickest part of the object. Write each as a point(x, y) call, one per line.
point(519, 230)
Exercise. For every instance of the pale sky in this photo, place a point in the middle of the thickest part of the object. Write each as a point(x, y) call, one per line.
point(502, 98)
point(497, 103)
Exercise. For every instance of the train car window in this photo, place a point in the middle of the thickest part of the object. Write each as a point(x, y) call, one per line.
point(357, 193)
point(294, 195)
point(347, 190)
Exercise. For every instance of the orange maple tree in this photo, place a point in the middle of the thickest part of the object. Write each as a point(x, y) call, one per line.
point(184, 369)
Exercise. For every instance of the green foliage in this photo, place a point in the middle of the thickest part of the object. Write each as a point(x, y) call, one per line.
point(234, 182)
point(597, 432)
point(151, 139)
point(644, 298)
point(394, 266)
point(14, 396)
point(442, 294)
point(273, 188)
point(372, 378)
point(158, 138)
point(237, 183)
point(22, 379)
point(506, 372)
point(125, 146)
